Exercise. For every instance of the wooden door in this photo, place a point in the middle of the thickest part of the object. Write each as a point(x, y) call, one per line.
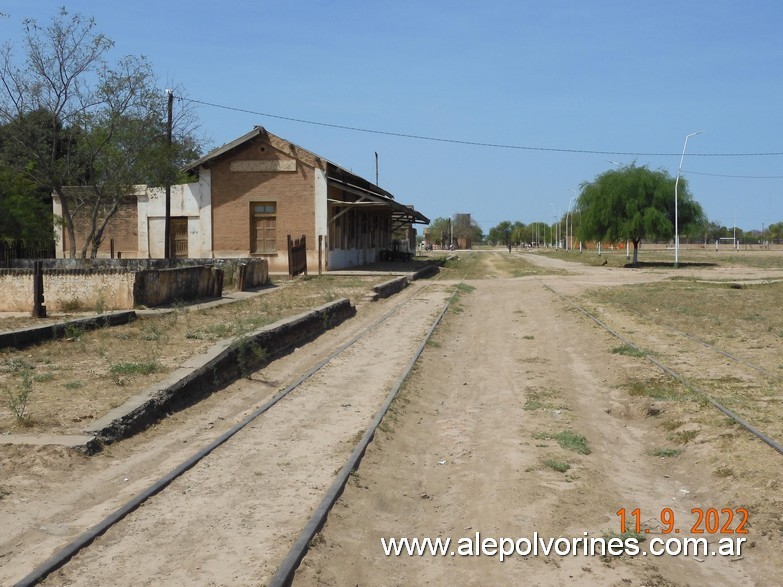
point(179, 237)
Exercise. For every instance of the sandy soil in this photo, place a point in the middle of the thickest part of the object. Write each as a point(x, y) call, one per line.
point(468, 447)
point(234, 516)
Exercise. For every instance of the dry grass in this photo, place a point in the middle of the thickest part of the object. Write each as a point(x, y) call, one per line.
point(696, 257)
point(81, 377)
point(493, 264)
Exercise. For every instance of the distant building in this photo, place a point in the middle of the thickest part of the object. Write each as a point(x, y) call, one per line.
point(252, 193)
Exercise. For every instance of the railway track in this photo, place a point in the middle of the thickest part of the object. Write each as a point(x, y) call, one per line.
point(710, 397)
point(248, 502)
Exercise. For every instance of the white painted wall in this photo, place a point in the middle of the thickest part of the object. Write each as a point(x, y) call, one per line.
point(192, 200)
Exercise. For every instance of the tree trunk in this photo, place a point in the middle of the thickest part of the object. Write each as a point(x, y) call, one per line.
point(635, 252)
point(68, 221)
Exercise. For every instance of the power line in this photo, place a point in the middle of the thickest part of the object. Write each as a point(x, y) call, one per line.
point(471, 143)
point(737, 176)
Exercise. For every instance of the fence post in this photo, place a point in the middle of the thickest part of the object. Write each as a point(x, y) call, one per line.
point(39, 310)
point(290, 258)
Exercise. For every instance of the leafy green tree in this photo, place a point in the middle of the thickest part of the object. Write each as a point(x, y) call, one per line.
point(536, 232)
point(466, 229)
point(440, 231)
point(633, 203)
point(774, 231)
point(25, 213)
point(77, 121)
point(518, 233)
point(501, 233)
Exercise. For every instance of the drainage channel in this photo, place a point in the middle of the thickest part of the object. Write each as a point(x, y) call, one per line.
point(60, 558)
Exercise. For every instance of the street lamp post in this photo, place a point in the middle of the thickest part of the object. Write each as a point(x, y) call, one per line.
point(570, 205)
point(676, 184)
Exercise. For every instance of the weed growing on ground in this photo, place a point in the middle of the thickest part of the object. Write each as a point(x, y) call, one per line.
point(628, 350)
point(100, 304)
point(666, 452)
point(16, 365)
point(557, 465)
point(44, 377)
point(671, 425)
point(249, 354)
point(70, 306)
point(73, 332)
point(567, 440)
point(658, 391)
point(135, 368)
point(572, 441)
point(684, 436)
point(19, 399)
point(151, 332)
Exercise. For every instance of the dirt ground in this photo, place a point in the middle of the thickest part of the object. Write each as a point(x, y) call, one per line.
point(521, 417)
point(78, 378)
point(471, 449)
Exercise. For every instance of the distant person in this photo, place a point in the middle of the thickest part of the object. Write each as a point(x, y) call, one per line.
point(509, 247)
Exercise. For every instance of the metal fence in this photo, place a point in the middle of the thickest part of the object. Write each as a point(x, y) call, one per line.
point(10, 251)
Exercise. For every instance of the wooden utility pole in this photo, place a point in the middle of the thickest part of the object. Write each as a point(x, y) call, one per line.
point(167, 221)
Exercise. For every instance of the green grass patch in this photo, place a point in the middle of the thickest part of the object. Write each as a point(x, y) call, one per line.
point(658, 391)
point(666, 452)
point(572, 441)
point(671, 425)
point(567, 440)
point(628, 350)
point(134, 368)
point(557, 465)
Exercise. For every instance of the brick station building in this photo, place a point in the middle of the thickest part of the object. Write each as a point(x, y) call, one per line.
point(250, 194)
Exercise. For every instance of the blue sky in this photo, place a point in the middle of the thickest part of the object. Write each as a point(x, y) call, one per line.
point(546, 77)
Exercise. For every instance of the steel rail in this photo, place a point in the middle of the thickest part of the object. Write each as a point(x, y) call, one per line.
point(66, 553)
point(284, 575)
point(672, 373)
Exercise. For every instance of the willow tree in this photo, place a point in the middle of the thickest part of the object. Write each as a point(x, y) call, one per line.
point(633, 203)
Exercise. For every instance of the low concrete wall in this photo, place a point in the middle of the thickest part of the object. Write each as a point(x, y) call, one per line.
point(37, 334)
point(158, 287)
point(225, 362)
point(122, 284)
point(250, 274)
point(391, 287)
point(68, 290)
point(425, 272)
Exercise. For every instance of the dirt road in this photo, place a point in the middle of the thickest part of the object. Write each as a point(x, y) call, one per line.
point(517, 420)
point(473, 446)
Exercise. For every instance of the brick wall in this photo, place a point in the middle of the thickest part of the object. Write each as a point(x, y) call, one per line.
point(233, 192)
point(122, 227)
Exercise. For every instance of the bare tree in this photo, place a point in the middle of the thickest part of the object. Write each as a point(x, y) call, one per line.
point(104, 130)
